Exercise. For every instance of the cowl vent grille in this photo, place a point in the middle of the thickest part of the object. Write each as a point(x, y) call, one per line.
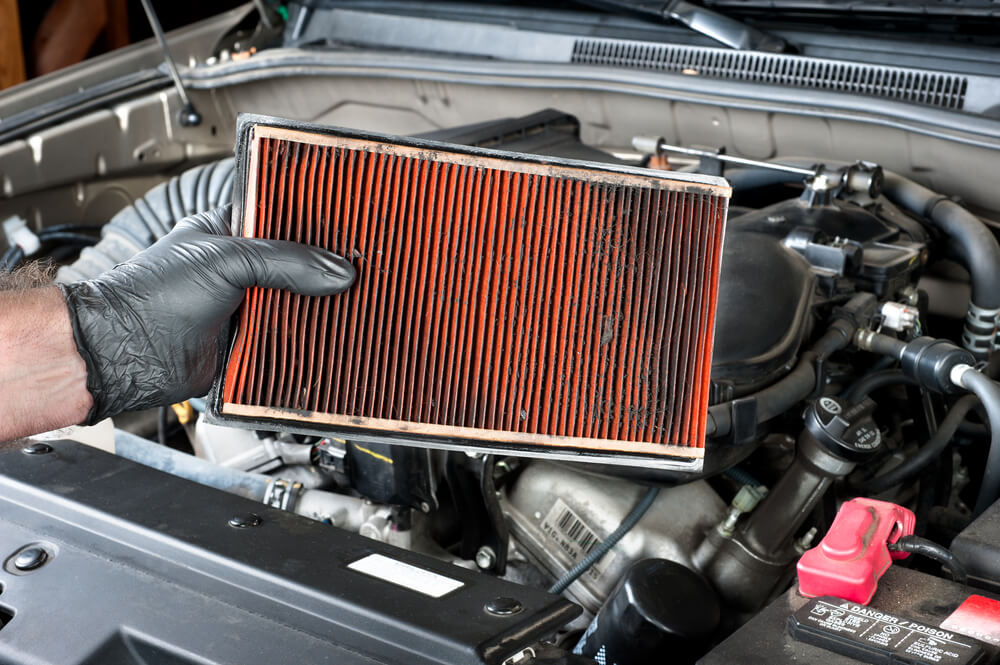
point(906, 85)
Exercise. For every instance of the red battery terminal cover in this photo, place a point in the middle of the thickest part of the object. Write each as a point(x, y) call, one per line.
point(854, 554)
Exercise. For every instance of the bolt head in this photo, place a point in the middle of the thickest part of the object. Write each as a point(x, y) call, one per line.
point(504, 606)
point(485, 557)
point(189, 117)
point(245, 520)
point(30, 558)
point(37, 449)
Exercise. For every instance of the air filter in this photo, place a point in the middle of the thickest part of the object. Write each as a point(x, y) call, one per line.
point(504, 302)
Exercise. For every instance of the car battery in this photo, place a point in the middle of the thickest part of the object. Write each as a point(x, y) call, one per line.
point(913, 619)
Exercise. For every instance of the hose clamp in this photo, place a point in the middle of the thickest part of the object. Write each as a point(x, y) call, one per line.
point(987, 316)
point(980, 322)
point(283, 494)
point(980, 332)
point(979, 345)
point(957, 374)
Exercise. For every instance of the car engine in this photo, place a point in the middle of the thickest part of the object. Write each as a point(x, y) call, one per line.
point(853, 357)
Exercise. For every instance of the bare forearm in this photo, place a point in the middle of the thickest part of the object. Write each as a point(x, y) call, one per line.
point(43, 380)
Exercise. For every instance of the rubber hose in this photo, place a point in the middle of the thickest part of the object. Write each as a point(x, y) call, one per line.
point(930, 451)
point(869, 383)
point(248, 485)
point(152, 216)
point(976, 246)
point(595, 555)
point(988, 391)
point(347, 512)
point(741, 476)
point(793, 387)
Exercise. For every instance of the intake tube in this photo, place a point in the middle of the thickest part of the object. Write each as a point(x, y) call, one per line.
point(976, 247)
point(152, 216)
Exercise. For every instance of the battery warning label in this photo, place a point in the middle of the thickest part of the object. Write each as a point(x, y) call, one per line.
point(877, 637)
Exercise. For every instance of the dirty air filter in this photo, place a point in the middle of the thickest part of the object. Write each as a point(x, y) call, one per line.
point(503, 301)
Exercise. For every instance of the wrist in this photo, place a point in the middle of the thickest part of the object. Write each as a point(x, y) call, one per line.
point(43, 375)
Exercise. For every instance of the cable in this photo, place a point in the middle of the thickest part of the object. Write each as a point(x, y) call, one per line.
point(189, 116)
point(63, 234)
point(872, 382)
point(595, 555)
point(48, 236)
point(72, 228)
point(161, 426)
point(931, 550)
point(13, 256)
point(930, 451)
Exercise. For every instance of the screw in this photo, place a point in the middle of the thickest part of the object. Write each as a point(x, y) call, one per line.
point(805, 542)
point(30, 558)
point(504, 606)
point(245, 521)
point(486, 557)
point(425, 507)
point(37, 449)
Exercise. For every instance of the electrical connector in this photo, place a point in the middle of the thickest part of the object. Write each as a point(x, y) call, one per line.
point(744, 502)
point(899, 317)
point(16, 230)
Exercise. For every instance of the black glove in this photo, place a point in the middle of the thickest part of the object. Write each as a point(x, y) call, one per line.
point(150, 330)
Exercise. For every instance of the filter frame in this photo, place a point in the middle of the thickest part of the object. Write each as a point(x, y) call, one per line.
point(659, 455)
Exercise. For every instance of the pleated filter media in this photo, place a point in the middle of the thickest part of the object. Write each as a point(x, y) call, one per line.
point(503, 302)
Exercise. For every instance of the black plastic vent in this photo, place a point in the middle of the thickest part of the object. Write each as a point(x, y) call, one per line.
point(907, 85)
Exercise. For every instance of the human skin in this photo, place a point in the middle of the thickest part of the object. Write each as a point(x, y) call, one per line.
point(43, 379)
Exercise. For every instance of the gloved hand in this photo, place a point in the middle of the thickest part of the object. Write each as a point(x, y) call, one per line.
point(150, 330)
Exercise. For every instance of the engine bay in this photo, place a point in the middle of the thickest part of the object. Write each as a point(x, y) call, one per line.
point(851, 397)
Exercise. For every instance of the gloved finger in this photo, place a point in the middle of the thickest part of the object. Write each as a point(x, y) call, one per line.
point(281, 264)
point(214, 221)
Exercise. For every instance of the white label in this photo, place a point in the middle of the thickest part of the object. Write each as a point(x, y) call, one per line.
point(405, 575)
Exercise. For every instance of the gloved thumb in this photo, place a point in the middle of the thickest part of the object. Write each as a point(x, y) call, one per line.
point(281, 264)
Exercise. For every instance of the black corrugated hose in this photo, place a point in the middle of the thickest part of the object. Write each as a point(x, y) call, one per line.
point(152, 216)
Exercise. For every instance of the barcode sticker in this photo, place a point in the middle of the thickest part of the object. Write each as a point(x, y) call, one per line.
point(574, 537)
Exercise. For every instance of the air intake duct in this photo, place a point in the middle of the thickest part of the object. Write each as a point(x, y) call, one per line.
point(504, 302)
